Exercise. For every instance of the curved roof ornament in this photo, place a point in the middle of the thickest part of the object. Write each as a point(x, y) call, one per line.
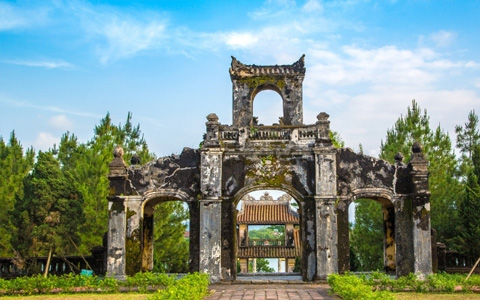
point(240, 69)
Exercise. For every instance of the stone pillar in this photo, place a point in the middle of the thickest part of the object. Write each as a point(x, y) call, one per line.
point(117, 225)
point(442, 257)
point(389, 238)
point(117, 219)
point(290, 264)
point(194, 245)
point(279, 264)
point(403, 236)
point(421, 232)
point(147, 239)
point(211, 205)
point(326, 199)
point(293, 102)
point(210, 238)
point(308, 239)
point(133, 240)
point(243, 265)
point(327, 259)
point(343, 229)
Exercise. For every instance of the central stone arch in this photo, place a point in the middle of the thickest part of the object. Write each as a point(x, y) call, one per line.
point(293, 157)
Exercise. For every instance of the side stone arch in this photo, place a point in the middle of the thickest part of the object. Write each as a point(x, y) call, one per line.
point(402, 189)
point(150, 200)
point(382, 195)
point(386, 199)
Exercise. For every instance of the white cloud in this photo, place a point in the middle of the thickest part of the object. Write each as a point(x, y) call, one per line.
point(59, 64)
point(119, 33)
point(477, 83)
point(312, 5)
point(365, 118)
point(237, 40)
point(443, 38)
point(61, 122)
point(45, 141)
point(125, 38)
point(18, 103)
point(12, 17)
point(366, 90)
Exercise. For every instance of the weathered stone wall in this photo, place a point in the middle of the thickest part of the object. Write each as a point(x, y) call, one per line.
point(179, 172)
point(272, 170)
point(295, 158)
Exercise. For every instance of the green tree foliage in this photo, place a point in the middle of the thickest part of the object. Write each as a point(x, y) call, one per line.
point(366, 238)
point(14, 166)
point(263, 266)
point(336, 139)
point(468, 137)
point(468, 141)
point(89, 165)
point(444, 183)
point(77, 171)
point(470, 216)
point(270, 232)
point(48, 215)
point(171, 249)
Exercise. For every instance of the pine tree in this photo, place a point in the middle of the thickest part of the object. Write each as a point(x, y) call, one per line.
point(468, 141)
point(469, 213)
point(468, 137)
point(366, 238)
point(88, 164)
point(171, 252)
point(444, 183)
point(50, 211)
point(14, 166)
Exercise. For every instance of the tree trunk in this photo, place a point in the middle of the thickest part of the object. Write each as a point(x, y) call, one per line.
point(47, 266)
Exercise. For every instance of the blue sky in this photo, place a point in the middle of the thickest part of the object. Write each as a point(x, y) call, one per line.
point(65, 64)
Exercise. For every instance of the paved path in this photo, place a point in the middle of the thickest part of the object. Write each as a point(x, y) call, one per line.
point(269, 292)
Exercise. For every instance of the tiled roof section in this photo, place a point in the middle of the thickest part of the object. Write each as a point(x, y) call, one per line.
point(271, 251)
point(240, 69)
point(267, 213)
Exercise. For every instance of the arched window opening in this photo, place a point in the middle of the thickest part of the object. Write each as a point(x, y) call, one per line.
point(268, 108)
point(171, 228)
point(372, 245)
point(268, 233)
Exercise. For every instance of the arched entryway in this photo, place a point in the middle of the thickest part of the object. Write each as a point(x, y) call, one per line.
point(167, 208)
point(304, 230)
point(382, 242)
point(268, 233)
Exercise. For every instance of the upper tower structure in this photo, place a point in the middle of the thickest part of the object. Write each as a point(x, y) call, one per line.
point(249, 80)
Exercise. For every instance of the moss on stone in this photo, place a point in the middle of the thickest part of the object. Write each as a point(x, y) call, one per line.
point(253, 82)
point(268, 170)
point(133, 256)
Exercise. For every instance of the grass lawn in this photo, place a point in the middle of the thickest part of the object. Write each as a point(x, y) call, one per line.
point(432, 296)
point(119, 296)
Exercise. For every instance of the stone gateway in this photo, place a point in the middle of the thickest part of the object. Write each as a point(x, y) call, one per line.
point(298, 159)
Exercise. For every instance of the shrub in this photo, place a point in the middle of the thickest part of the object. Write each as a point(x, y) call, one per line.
point(145, 279)
point(351, 287)
point(190, 287)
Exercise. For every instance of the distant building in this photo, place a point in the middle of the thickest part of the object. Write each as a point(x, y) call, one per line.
point(267, 211)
